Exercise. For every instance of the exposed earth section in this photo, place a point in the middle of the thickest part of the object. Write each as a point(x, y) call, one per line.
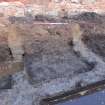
point(56, 59)
point(61, 44)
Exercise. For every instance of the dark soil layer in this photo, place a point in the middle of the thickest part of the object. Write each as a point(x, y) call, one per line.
point(89, 16)
point(5, 53)
point(96, 42)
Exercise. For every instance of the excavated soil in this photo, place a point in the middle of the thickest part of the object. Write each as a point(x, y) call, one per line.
point(51, 64)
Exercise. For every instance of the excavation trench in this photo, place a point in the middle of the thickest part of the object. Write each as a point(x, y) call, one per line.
point(56, 59)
